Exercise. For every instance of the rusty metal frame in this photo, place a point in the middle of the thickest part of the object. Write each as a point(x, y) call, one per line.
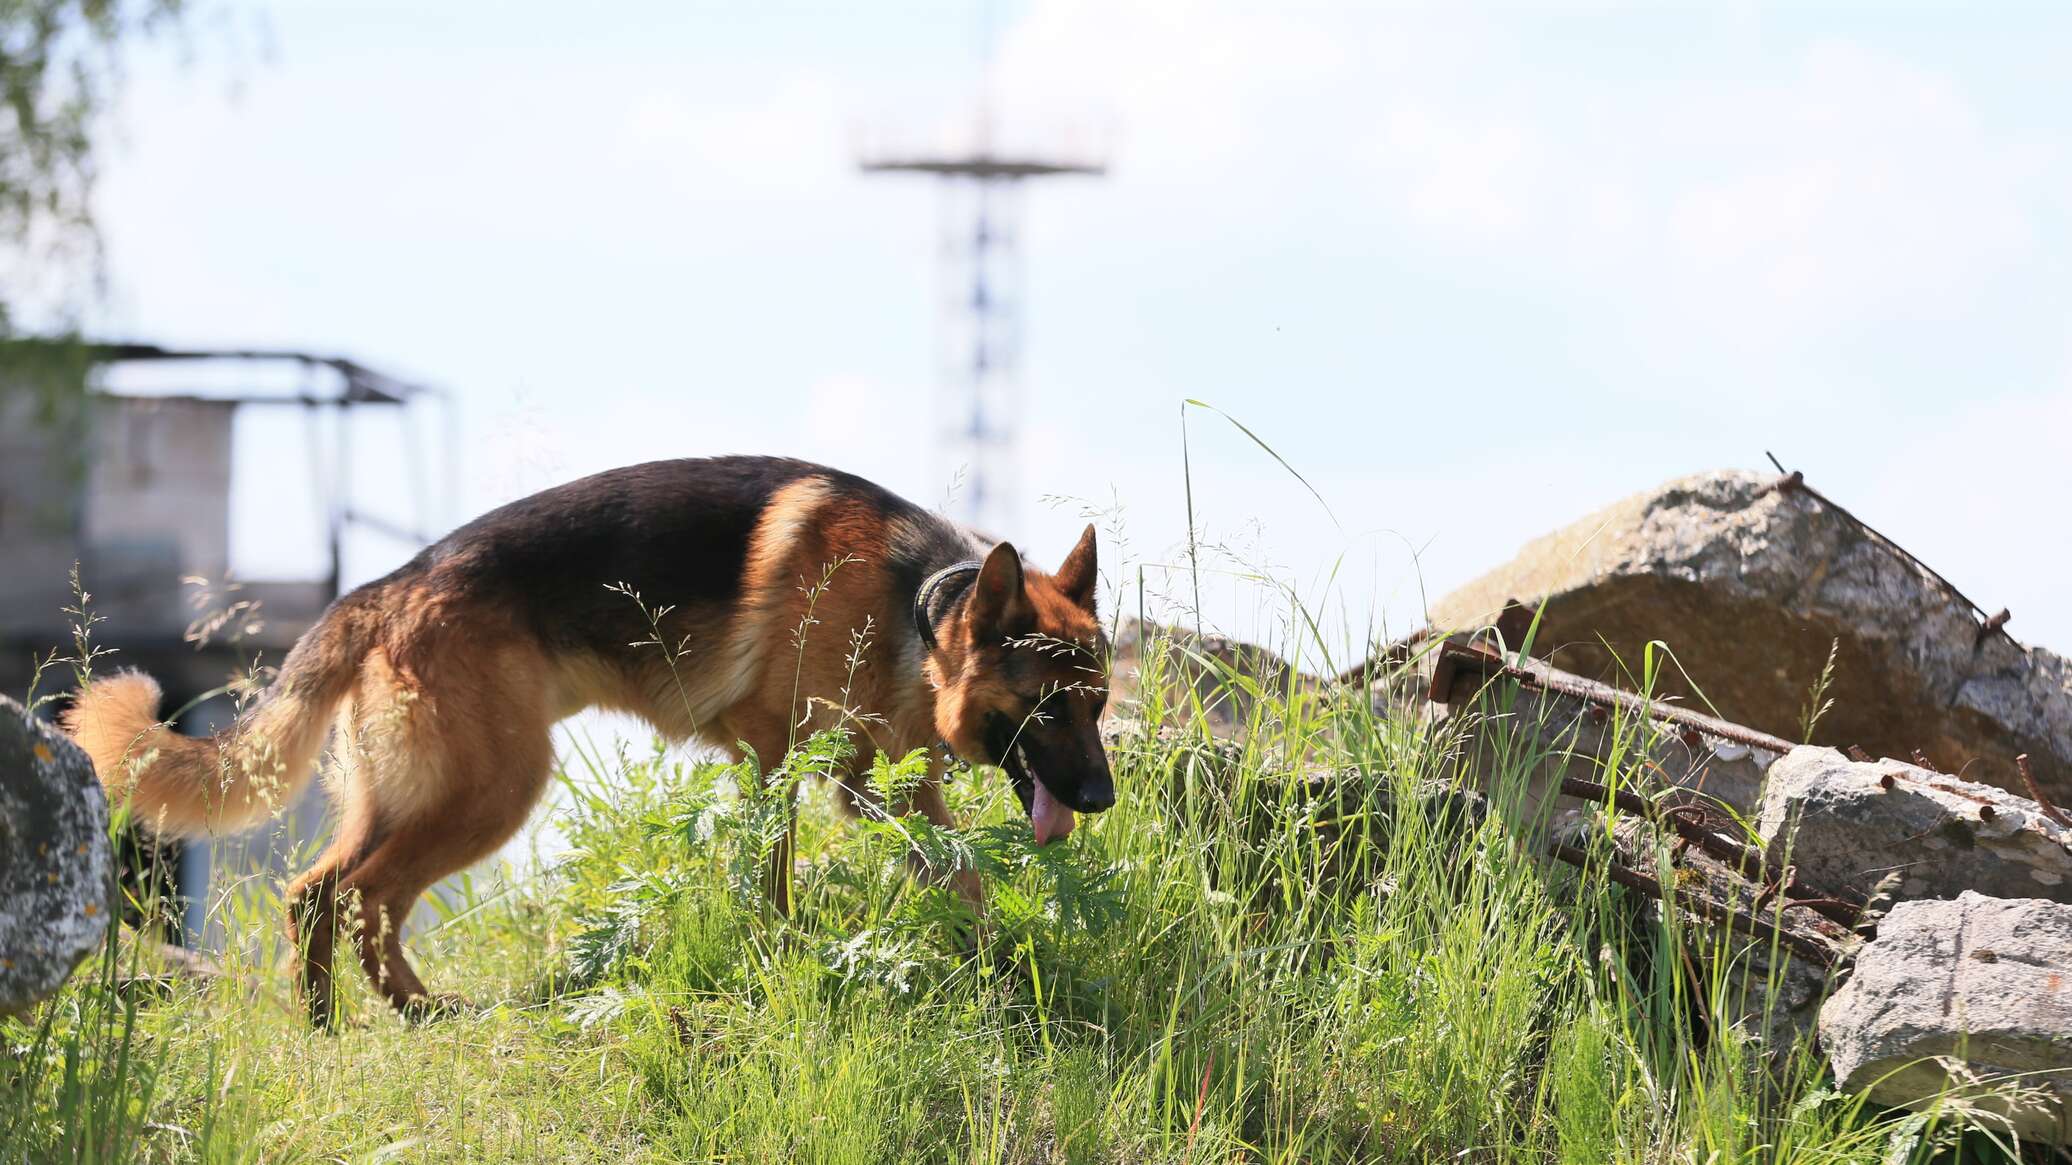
point(2021, 764)
point(1747, 861)
point(359, 383)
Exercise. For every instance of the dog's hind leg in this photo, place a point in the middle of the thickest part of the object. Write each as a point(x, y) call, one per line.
point(313, 896)
point(471, 761)
point(387, 885)
point(414, 856)
point(313, 923)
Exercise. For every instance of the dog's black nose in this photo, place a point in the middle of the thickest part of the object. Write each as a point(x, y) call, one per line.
point(1097, 794)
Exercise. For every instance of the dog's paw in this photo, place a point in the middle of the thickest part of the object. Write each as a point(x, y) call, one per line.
point(423, 1009)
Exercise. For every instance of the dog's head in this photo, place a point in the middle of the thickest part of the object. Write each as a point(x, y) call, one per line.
point(1022, 679)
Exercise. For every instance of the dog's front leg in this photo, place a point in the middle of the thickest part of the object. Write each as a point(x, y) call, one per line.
point(928, 799)
point(777, 879)
point(769, 747)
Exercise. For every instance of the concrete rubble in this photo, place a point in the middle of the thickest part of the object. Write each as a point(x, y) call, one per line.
point(1968, 998)
point(1180, 675)
point(1749, 579)
point(1773, 987)
point(56, 867)
point(1964, 984)
point(1850, 826)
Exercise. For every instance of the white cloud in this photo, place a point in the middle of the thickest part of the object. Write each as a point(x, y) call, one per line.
point(1196, 86)
point(850, 419)
point(1861, 188)
point(1853, 188)
point(1960, 523)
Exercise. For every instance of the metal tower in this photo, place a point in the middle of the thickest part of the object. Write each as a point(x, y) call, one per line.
point(978, 403)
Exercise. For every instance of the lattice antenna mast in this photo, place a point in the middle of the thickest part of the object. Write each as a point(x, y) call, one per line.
point(979, 402)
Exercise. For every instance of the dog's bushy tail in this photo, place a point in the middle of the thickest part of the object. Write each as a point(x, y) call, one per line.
point(187, 786)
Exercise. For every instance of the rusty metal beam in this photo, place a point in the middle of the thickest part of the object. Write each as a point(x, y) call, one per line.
point(1511, 626)
point(1456, 660)
point(1401, 651)
point(362, 385)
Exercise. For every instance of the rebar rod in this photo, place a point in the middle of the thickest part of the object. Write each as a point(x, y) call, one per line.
point(1707, 910)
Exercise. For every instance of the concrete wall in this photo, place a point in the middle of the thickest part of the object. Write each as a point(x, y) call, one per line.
point(147, 505)
point(157, 505)
point(39, 520)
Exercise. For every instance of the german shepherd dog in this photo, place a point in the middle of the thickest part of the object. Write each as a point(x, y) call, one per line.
point(442, 679)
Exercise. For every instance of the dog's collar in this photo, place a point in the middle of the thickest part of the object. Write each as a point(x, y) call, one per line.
point(953, 579)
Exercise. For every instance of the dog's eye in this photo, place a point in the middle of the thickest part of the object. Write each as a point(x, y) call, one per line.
point(1056, 703)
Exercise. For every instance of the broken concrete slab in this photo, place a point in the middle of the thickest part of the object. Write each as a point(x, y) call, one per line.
point(1971, 997)
point(1175, 675)
point(1849, 826)
point(1749, 584)
point(56, 867)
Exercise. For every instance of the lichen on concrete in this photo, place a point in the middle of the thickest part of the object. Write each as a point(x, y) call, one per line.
point(55, 860)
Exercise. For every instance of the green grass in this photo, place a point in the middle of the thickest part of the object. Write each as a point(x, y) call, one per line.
point(1231, 965)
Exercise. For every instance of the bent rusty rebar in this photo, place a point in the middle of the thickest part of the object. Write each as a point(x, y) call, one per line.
point(1707, 910)
point(1455, 659)
point(1746, 861)
point(2021, 764)
point(1795, 482)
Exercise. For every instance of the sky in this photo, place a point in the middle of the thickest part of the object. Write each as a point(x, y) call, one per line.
point(1471, 272)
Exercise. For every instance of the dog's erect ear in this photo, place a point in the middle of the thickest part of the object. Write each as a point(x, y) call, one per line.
point(999, 605)
point(1077, 576)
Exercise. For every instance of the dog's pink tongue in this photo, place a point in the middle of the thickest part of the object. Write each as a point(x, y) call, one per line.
point(1051, 819)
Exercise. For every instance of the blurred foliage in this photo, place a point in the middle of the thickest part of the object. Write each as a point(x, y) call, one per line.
point(60, 62)
point(43, 385)
point(51, 372)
